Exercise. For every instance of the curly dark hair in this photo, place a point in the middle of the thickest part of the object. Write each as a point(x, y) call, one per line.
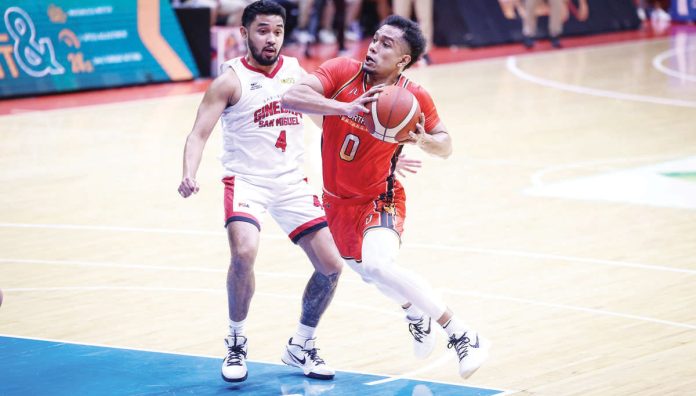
point(261, 7)
point(412, 35)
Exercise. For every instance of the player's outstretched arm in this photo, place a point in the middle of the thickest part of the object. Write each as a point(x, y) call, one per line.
point(307, 96)
point(222, 91)
point(437, 142)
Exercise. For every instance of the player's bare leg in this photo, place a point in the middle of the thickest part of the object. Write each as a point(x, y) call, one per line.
point(244, 245)
point(321, 287)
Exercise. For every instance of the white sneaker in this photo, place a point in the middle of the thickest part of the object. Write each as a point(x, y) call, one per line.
point(306, 357)
point(472, 351)
point(234, 368)
point(302, 36)
point(327, 36)
point(423, 336)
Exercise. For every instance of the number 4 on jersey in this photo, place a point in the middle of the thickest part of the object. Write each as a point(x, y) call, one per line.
point(281, 143)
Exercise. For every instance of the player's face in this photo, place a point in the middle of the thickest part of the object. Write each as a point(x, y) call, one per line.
point(265, 38)
point(388, 52)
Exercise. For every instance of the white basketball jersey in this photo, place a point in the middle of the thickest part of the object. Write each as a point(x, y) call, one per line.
point(260, 138)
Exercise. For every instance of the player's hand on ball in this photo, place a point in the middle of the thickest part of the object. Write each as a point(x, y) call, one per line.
point(188, 186)
point(405, 164)
point(359, 105)
point(419, 137)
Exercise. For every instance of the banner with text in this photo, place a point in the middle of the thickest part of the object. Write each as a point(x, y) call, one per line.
point(65, 45)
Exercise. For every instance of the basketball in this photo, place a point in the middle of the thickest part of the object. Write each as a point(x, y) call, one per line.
point(393, 115)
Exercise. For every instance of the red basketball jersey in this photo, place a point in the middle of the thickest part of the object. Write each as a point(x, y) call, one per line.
point(355, 164)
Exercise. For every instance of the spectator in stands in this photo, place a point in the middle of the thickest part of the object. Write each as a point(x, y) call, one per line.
point(338, 21)
point(353, 29)
point(424, 16)
point(557, 10)
point(655, 10)
point(301, 34)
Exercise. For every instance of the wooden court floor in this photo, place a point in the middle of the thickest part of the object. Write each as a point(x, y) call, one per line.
point(563, 227)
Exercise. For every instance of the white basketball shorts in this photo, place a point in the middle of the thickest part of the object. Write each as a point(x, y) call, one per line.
point(295, 207)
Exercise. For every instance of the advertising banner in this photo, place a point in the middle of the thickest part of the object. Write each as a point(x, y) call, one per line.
point(65, 45)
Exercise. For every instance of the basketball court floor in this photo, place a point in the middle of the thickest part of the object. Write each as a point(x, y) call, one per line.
point(563, 227)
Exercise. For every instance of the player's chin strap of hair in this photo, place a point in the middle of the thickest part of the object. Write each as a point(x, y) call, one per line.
point(379, 251)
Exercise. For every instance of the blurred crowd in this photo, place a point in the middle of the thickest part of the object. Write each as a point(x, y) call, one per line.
point(338, 21)
point(326, 21)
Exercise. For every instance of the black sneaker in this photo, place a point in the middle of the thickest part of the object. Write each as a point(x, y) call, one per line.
point(555, 42)
point(528, 42)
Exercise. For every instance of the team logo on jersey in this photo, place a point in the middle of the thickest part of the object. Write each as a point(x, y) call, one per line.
point(287, 80)
point(243, 205)
point(256, 85)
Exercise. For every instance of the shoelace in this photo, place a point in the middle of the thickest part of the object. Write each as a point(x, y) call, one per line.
point(416, 330)
point(461, 345)
point(234, 355)
point(312, 353)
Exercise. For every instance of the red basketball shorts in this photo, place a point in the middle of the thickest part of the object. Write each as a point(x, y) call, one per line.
point(350, 219)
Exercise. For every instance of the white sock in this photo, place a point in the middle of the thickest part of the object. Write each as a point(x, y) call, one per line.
point(303, 334)
point(454, 327)
point(237, 328)
point(413, 313)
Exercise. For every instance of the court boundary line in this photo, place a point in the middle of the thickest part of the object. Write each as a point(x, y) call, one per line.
point(548, 256)
point(512, 67)
point(364, 307)
point(406, 375)
point(659, 59)
point(602, 312)
point(503, 391)
point(183, 290)
point(498, 252)
point(437, 363)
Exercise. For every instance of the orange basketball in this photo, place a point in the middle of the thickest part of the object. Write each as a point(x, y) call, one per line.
point(393, 115)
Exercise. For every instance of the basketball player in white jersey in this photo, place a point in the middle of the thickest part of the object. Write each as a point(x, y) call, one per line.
point(262, 156)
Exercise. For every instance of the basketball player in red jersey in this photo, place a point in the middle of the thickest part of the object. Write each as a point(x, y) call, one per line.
point(365, 204)
point(263, 147)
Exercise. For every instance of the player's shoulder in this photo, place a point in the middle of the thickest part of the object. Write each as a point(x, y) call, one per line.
point(228, 80)
point(411, 85)
point(416, 89)
point(290, 61)
point(291, 64)
point(230, 64)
